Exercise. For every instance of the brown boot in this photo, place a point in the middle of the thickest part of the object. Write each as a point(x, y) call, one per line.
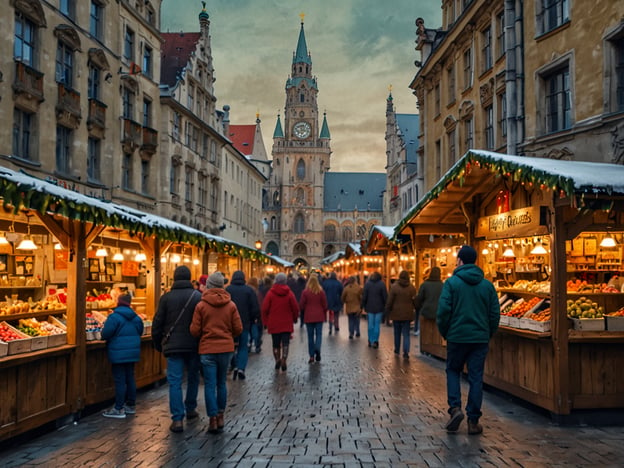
point(220, 421)
point(277, 354)
point(474, 428)
point(284, 357)
point(176, 426)
point(212, 425)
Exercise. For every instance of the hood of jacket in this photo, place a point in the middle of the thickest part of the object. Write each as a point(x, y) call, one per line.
point(404, 282)
point(216, 297)
point(469, 273)
point(280, 289)
point(238, 277)
point(125, 311)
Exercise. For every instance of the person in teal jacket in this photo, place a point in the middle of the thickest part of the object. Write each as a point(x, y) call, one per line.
point(467, 317)
point(122, 332)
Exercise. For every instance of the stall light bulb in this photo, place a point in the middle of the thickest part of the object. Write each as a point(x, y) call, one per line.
point(175, 258)
point(608, 241)
point(195, 261)
point(509, 253)
point(26, 244)
point(118, 257)
point(101, 252)
point(539, 250)
point(163, 259)
point(3, 240)
point(140, 257)
point(483, 252)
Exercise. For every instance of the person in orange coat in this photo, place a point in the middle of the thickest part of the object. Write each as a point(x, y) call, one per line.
point(216, 322)
point(279, 311)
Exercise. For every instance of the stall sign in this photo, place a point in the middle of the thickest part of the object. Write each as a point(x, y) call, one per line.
point(129, 268)
point(515, 223)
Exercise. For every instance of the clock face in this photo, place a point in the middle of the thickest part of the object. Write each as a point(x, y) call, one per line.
point(301, 129)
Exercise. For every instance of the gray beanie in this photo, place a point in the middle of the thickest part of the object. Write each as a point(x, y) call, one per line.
point(215, 280)
point(280, 278)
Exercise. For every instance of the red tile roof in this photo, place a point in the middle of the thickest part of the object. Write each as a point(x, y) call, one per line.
point(242, 137)
point(175, 52)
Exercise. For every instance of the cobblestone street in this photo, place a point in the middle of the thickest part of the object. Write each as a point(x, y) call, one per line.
point(358, 407)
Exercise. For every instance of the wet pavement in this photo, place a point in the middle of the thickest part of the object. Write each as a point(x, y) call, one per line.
point(358, 407)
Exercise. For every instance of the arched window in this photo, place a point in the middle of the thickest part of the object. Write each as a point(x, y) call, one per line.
point(272, 248)
point(273, 223)
point(276, 198)
point(300, 196)
point(330, 233)
point(347, 234)
point(361, 231)
point(301, 169)
point(299, 226)
point(300, 249)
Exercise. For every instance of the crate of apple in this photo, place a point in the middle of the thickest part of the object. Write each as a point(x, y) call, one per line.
point(17, 342)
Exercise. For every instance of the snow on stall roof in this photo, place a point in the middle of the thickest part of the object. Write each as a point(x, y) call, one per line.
point(111, 208)
point(584, 174)
point(387, 231)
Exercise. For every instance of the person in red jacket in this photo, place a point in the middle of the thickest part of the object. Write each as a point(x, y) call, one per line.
point(216, 322)
point(314, 306)
point(279, 311)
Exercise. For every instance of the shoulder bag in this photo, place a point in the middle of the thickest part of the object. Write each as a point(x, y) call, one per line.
point(168, 334)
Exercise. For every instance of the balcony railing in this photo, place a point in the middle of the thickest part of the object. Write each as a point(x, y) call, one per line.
point(28, 81)
point(132, 135)
point(68, 101)
point(97, 114)
point(150, 140)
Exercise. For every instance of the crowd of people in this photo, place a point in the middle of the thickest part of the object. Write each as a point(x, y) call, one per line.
point(207, 329)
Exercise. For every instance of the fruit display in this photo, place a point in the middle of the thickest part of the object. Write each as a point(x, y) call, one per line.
point(532, 286)
point(8, 334)
point(10, 307)
point(93, 327)
point(541, 316)
point(34, 327)
point(521, 307)
point(100, 300)
point(584, 308)
point(582, 286)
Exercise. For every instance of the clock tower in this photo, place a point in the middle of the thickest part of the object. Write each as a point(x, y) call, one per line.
point(293, 197)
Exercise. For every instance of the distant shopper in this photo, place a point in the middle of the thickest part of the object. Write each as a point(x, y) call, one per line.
point(352, 299)
point(468, 315)
point(314, 306)
point(255, 332)
point(374, 299)
point(333, 291)
point(246, 302)
point(400, 309)
point(216, 322)
point(122, 332)
point(279, 312)
point(426, 302)
point(171, 336)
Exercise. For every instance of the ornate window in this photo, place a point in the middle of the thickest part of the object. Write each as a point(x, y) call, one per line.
point(330, 233)
point(486, 49)
point(64, 137)
point(300, 197)
point(299, 224)
point(23, 123)
point(25, 41)
point(96, 20)
point(551, 14)
point(94, 148)
point(301, 170)
point(347, 234)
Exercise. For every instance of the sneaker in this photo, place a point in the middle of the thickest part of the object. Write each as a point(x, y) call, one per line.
point(241, 374)
point(474, 428)
point(114, 413)
point(456, 418)
point(130, 409)
point(376, 344)
point(317, 356)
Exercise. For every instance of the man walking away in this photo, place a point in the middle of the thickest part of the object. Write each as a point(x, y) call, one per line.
point(468, 316)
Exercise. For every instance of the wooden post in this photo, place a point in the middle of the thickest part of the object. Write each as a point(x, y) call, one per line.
point(76, 314)
point(561, 385)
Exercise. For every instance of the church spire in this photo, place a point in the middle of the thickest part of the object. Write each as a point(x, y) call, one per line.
point(302, 55)
point(278, 133)
point(325, 128)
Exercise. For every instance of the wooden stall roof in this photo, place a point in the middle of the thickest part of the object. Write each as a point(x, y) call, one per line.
point(480, 172)
point(379, 238)
point(19, 190)
point(333, 257)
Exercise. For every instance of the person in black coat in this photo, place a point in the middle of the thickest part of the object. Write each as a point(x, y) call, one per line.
point(246, 301)
point(374, 299)
point(173, 318)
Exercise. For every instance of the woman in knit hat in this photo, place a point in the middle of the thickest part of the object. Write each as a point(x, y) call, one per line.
point(216, 322)
point(279, 312)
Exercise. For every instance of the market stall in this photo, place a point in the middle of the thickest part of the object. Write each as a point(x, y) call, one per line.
point(550, 237)
point(63, 258)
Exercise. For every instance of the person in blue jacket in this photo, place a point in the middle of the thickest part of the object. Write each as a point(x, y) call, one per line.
point(122, 332)
point(467, 317)
point(333, 291)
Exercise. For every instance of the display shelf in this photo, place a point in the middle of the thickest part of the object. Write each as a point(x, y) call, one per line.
point(21, 287)
point(525, 333)
point(40, 313)
point(522, 292)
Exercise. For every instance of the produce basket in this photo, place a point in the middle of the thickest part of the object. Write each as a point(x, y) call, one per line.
point(38, 342)
point(4, 349)
point(614, 322)
point(589, 324)
point(22, 345)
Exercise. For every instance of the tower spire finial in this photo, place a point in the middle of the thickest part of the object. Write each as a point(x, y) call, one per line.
point(302, 16)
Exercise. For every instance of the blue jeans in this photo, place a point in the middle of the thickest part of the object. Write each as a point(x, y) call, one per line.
point(242, 354)
point(215, 367)
point(473, 355)
point(315, 337)
point(256, 335)
point(374, 323)
point(176, 364)
point(125, 385)
point(401, 328)
point(354, 324)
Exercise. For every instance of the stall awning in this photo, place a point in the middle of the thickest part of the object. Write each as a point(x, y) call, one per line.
point(279, 261)
point(353, 250)
point(379, 238)
point(19, 190)
point(333, 257)
point(479, 172)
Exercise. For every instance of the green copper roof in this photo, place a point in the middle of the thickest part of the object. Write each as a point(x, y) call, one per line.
point(302, 49)
point(204, 13)
point(278, 133)
point(324, 128)
point(294, 82)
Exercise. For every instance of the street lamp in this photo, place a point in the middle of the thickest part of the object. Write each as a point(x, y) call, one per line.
point(258, 244)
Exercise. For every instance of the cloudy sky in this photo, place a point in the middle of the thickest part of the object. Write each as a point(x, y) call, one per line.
point(358, 47)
